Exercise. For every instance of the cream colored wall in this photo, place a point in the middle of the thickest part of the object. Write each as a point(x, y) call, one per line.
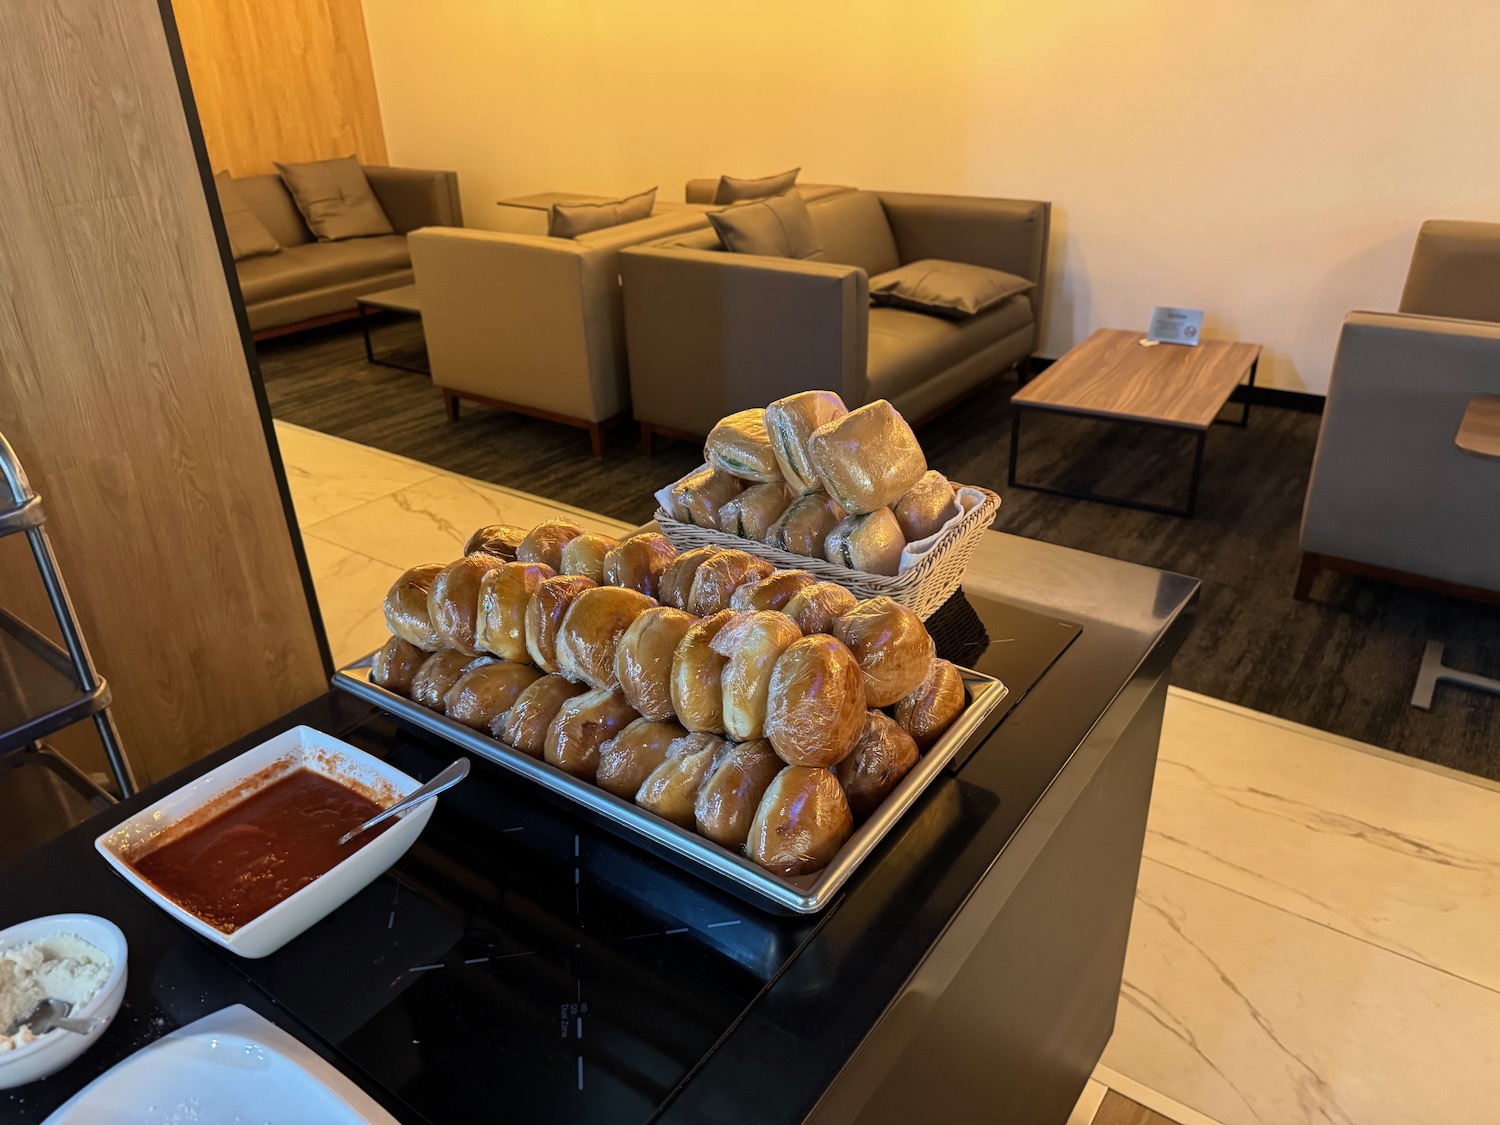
point(1267, 161)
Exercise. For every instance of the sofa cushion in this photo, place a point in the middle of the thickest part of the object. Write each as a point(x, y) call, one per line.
point(335, 199)
point(952, 289)
point(778, 227)
point(248, 236)
point(272, 203)
point(908, 348)
point(316, 265)
point(569, 220)
point(854, 232)
point(733, 190)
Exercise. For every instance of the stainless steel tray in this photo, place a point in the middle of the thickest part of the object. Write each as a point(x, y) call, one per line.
point(805, 894)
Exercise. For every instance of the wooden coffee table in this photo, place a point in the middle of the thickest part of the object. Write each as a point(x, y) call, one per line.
point(1112, 376)
point(403, 301)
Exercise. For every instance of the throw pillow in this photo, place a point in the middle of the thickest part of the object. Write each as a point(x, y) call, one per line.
point(732, 190)
point(569, 220)
point(950, 289)
point(335, 199)
point(248, 236)
point(778, 227)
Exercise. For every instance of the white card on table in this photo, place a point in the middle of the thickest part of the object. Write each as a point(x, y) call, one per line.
point(1175, 326)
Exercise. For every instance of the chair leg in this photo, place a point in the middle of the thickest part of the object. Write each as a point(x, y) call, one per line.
point(450, 405)
point(1306, 574)
point(646, 438)
point(596, 438)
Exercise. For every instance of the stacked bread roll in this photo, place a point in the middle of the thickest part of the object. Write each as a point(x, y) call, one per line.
point(808, 476)
point(763, 709)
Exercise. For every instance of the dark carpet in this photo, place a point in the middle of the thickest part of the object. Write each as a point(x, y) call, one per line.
point(1345, 663)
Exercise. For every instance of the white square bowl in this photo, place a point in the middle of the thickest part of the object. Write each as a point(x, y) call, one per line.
point(298, 747)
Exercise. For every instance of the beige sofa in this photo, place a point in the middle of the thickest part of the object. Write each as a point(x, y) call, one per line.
point(711, 332)
point(311, 282)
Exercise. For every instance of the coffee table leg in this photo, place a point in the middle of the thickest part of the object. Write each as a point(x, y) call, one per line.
point(1192, 504)
point(1015, 441)
point(1249, 394)
point(364, 326)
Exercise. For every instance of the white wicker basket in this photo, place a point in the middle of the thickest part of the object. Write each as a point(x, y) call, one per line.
point(923, 588)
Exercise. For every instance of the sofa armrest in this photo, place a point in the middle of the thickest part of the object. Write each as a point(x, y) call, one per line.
point(1003, 234)
point(415, 197)
point(1455, 271)
point(710, 332)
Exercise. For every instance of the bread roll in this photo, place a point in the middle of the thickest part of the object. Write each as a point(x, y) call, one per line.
point(591, 631)
point(731, 791)
point(929, 504)
point(802, 822)
point(643, 659)
point(544, 613)
point(394, 664)
point(867, 459)
point(677, 580)
point(453, 601)
point(883, 755)
point(717, 578)
point(697, 676)
point(484, 692)
point(637, 563)
point(739, 446)
point(752, 644)
point(790, 422)
point(628, 758)
point(406, 612)
point(871, 543)
point(751, 514)
point(932, 708)
point(697, 497)
point(526, 724)
point(670, 789)
point(584, 724)
point(771, 592)
point(498, 539)
point(816, 706)
point(584, 556)
point(503, 597)
point(892, 647)
point(803, 528)
point(438, 673)
point(814, 608)
point(544, 543)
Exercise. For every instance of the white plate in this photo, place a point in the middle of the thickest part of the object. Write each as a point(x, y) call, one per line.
point(230, 1068)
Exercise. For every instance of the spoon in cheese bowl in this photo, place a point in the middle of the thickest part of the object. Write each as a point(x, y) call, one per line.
point(51, 1013)
point(447, 779)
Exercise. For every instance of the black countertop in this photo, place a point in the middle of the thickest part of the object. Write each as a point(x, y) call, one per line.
point(523, 960)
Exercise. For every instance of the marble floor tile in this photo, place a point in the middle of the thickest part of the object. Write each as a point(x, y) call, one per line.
point(351, 595)
point(1360, 842)
point(328, 475)
point(1256, 1016)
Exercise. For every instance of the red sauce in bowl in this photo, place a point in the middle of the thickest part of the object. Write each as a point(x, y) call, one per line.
point(236, 866)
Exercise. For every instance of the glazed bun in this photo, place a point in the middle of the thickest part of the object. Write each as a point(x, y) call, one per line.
point(802, 822)
point(732, 789)
point(406, 612)
point(671, 788)
point(697, 498)
point(815, 608)
point(503, 597)
point(486, 691)
point(717, 578)
point(697, 676)
point(438, 673)
point(544, 613)
point(584, 724)
point(751, 514)
point(892, 647)
point(584, 556)
point(771, 592)
point(816, 705)
point(739, 446)
point(498, 539)
point(544, 543)
point(394, 665)
point(883, 755)
point(932, 708)
point(637, 563)
point(677, 580)
point(591, 631)
point(628, 758)
point(525, 725)
point(926, 507)
point(643, 659)
point(453, 602)
point(752, 644)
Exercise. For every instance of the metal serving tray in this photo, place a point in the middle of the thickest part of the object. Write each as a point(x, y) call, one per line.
point(804, 894)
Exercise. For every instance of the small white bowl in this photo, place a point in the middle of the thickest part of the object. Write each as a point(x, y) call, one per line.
point(58, 1048)
point(298, 747)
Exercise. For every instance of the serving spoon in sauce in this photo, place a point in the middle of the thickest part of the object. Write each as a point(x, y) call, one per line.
point(51, 1013)
point(445, 780)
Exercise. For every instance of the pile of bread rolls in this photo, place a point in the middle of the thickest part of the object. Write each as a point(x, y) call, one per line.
point(808, 476)
point(762, 708)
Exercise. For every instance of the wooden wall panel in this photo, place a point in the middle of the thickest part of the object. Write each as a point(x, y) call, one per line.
point(126, 392)
point(286, 80)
